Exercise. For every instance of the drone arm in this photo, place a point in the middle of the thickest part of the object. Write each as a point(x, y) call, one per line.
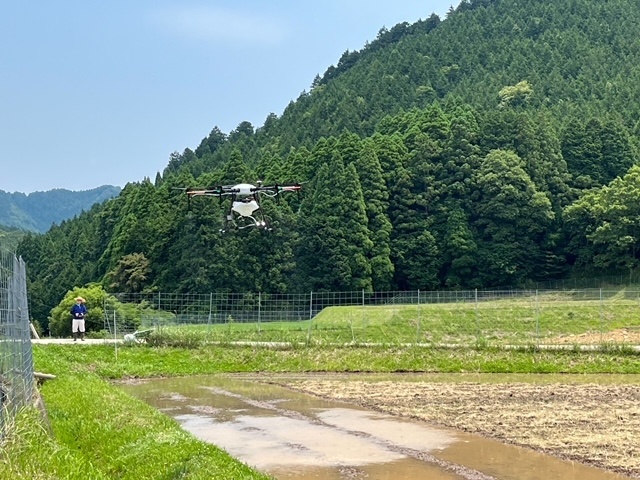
point(212, 191)
point(276, 189)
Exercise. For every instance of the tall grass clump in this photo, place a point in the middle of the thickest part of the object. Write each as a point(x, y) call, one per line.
point(28, 451)
point(177, 338)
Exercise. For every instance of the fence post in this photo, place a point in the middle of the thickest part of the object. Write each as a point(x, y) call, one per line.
point(537, 307)
point(259, 309)
point(115, 334)
point(364, 319)
point(210, 308)
point(419, 319)
point(601, 314)
point(476, 315)
point(310, 316)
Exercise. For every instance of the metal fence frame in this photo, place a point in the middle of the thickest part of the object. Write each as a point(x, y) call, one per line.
point(16, 356)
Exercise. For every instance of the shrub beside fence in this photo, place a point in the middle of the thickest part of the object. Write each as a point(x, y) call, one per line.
point(466, 318)
point(16, 359)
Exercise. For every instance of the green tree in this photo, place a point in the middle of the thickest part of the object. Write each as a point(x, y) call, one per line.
point(236, 170)
point(515, 95)
point(414, 200)
point(334, 249)
point(131, 274)
point(298, 167)
point(376, 198)
point(392, 155)
point(211, 143)
point(511, 217)
point(459, 251)
point(597, 151)
point(605, 224)
point(414, 249)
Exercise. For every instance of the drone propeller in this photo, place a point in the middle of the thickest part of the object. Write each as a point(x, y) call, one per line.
point(296, 187)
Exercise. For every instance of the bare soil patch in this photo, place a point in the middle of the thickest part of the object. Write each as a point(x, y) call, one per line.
point(593, 424)
point(621, 336)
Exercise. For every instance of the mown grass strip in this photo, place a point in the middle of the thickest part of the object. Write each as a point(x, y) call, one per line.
point(142, 361)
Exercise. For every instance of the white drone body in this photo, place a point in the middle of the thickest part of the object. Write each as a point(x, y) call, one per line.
point(244, 189)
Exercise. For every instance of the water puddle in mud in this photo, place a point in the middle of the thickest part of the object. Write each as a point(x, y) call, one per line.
point(290, 435)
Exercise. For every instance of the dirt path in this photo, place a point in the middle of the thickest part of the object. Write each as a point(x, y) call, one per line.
point(597, 425)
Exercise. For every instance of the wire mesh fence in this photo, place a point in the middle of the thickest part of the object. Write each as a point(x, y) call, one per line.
point(16, 360)
point(451, 318)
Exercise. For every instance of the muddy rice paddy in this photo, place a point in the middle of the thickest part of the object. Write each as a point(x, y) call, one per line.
point(594, 424)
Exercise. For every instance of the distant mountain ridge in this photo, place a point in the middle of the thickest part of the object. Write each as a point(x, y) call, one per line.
point(37, 211)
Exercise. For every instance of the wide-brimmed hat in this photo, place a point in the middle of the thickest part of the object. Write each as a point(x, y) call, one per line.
point(80, 299)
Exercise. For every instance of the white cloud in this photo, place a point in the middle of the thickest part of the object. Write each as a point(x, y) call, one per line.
point(215, 24)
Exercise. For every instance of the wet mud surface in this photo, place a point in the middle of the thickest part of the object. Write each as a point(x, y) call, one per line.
point(593, 424)
point(345, 427)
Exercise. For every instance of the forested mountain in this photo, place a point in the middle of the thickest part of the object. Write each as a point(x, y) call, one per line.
point(37, 211)
point(494, 148)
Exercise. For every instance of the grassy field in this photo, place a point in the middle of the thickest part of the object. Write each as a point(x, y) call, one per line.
point(546, 319)
point(142, 361)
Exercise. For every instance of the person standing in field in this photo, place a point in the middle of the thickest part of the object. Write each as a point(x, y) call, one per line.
point(78, 312)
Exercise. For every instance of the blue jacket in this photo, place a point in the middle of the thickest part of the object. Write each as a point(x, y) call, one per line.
point(79, 310)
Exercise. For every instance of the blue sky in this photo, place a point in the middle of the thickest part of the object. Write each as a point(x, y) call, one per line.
point(95, 93)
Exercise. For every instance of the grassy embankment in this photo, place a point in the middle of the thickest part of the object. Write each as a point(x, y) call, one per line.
point(100, 432)
point(544, 319)
point(103, 433)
